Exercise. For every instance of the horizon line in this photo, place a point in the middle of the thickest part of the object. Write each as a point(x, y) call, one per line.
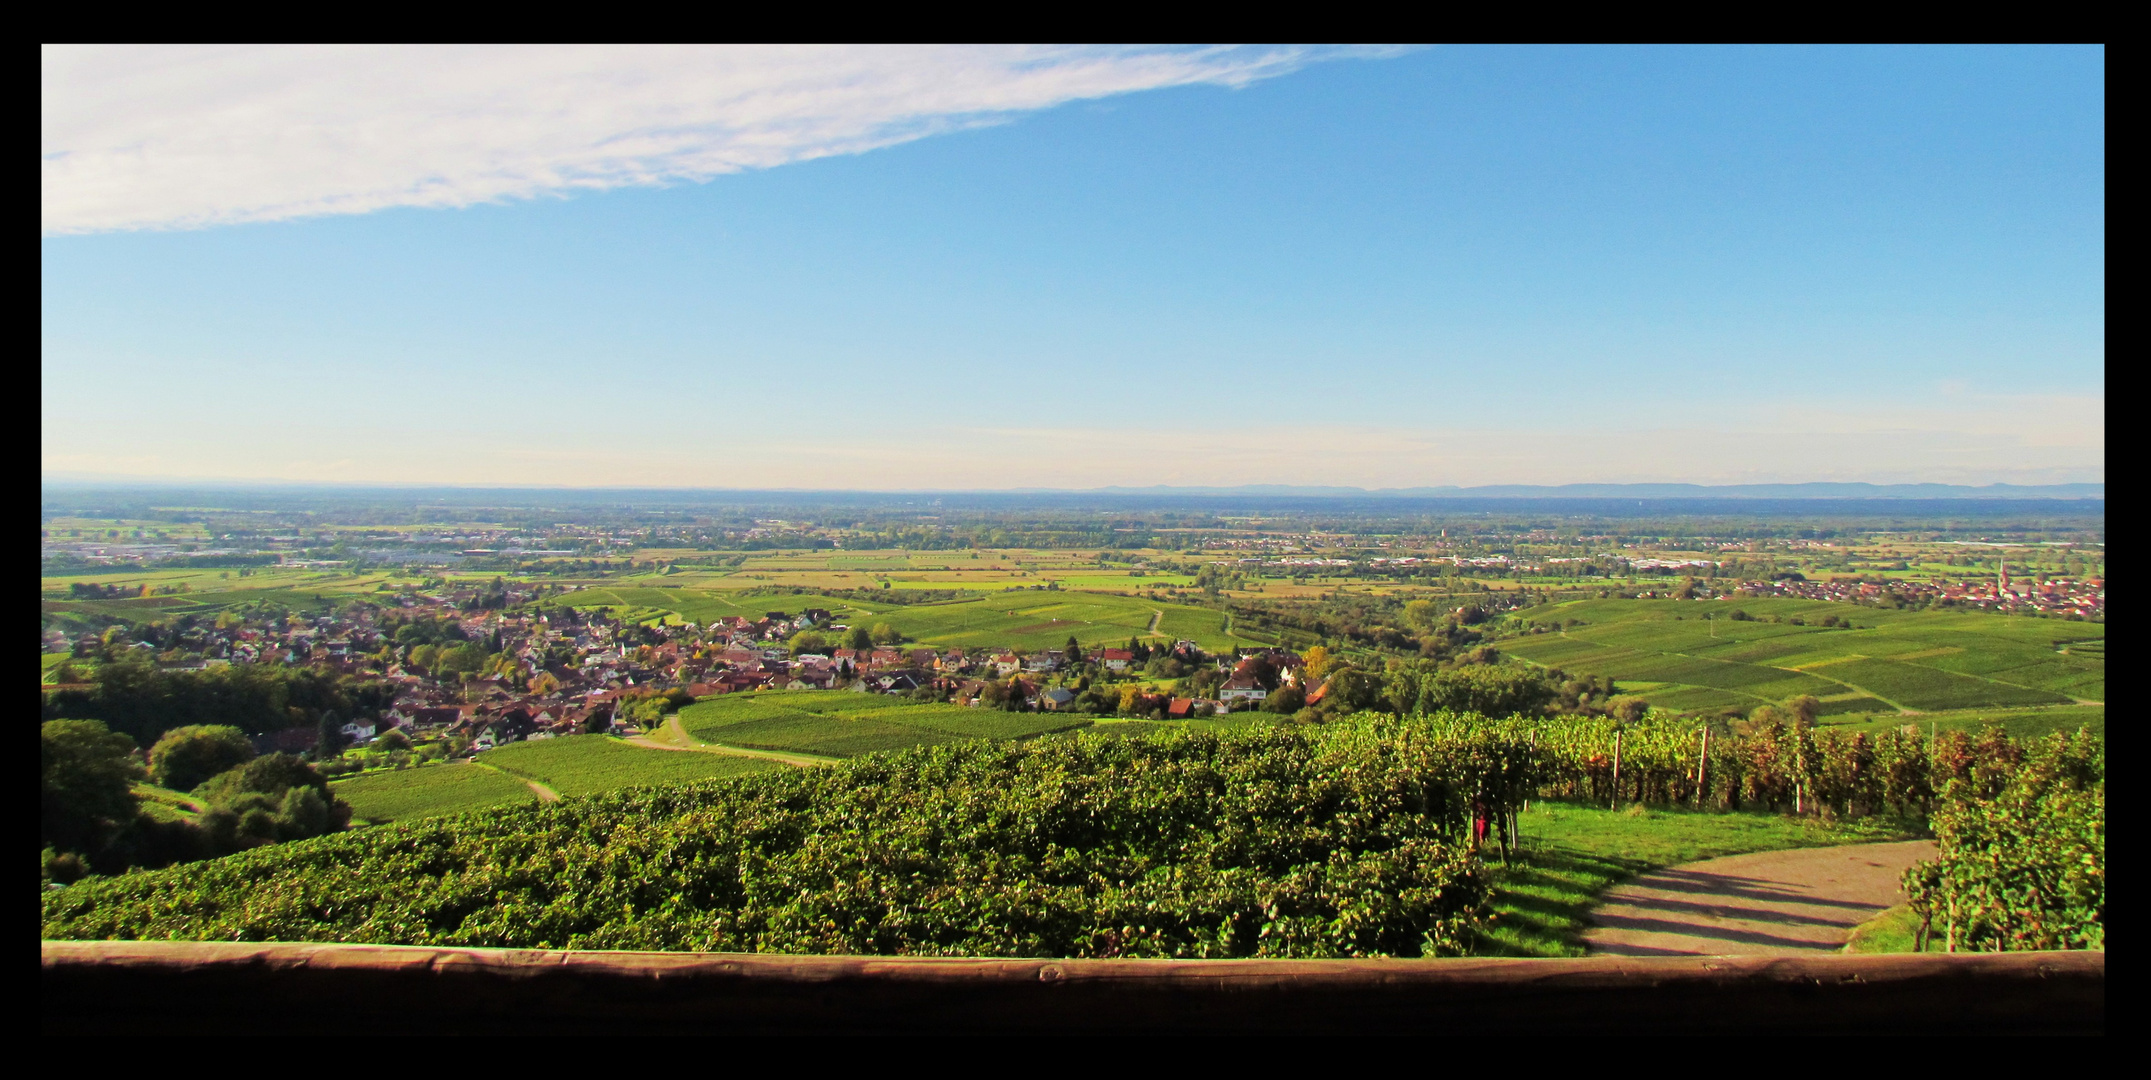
point(1807, 488)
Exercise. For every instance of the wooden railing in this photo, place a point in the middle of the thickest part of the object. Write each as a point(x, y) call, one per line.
point(124, 987)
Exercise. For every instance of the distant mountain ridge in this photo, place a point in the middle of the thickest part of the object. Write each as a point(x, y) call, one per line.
point(1821, 490)
point(1648, 491)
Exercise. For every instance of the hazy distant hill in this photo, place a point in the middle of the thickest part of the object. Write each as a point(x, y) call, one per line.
point(1657, 491)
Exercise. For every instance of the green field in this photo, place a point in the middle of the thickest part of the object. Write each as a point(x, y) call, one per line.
point(587, 764)
point(165, 804)
point(694, 605)
point(429, 791)
point(208, 592)
point(839, 723)
point(2022, 723)
point(1909, 661)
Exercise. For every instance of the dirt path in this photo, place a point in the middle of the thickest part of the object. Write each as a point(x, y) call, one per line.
point(544, 794)
point(1770, 903)
point(1156, 617)
point(674, 736)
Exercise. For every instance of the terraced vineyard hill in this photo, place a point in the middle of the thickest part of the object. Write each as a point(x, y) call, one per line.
point(1692, 655)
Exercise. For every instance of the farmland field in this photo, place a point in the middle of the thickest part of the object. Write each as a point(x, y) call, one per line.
point(1043, 620)
point(1024, 619)
point(586, 764)
point(207, 591)
point(844, 724)
point(1913, 661)
point(429, 791)
point(2021, 723)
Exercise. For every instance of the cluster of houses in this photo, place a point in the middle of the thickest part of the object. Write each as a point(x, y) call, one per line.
point(2058, 596)
point(559, 670)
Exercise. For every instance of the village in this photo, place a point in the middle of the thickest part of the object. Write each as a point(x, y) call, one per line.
point(2064, 597)
point(482, 666)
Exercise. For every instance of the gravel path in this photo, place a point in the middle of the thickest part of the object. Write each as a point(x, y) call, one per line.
point(1770, 903)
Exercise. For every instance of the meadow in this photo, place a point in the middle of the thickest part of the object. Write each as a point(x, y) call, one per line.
point(842, 724)
point(429, 791)
point(1692, 656)
point(588, 764)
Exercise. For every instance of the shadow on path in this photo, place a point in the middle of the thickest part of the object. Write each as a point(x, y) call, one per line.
point(1766, 903)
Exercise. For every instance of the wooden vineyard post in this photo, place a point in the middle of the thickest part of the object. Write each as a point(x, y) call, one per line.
point(1534, 762)
point(1616, 804)
point(1702, 770)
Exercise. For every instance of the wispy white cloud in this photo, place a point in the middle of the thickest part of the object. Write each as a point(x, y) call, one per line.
point(178, 137)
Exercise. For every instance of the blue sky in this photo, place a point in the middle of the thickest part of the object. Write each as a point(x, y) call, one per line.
point(1450, 265)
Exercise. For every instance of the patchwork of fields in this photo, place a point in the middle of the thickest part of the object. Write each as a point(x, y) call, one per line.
point(1690, 655)
point(989, 569)
point(842, 724)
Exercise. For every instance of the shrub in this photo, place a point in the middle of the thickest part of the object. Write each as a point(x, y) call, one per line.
point(186, 756)
point(2023, 857)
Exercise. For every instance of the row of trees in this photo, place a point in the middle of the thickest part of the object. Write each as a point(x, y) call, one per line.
point(132, 696)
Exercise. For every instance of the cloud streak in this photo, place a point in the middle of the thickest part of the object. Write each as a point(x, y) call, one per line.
point(185, 137)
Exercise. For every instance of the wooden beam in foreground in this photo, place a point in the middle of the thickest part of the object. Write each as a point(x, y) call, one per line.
point(128, 987)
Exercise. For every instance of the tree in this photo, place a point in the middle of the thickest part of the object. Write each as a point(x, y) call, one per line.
point(188, 755)
point(1318, 661)
point(858, 638)
point(1422, 615)
point(1130, 695)
point(273, 777)
point(1764, 716)
point(1073, 651)
point(1804, 710)
point(807, 641)
point(884, 634)
point(87, 792)
point(328, 736)
point(1351, 689)
point(1487, 689)
point(1285, 699)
